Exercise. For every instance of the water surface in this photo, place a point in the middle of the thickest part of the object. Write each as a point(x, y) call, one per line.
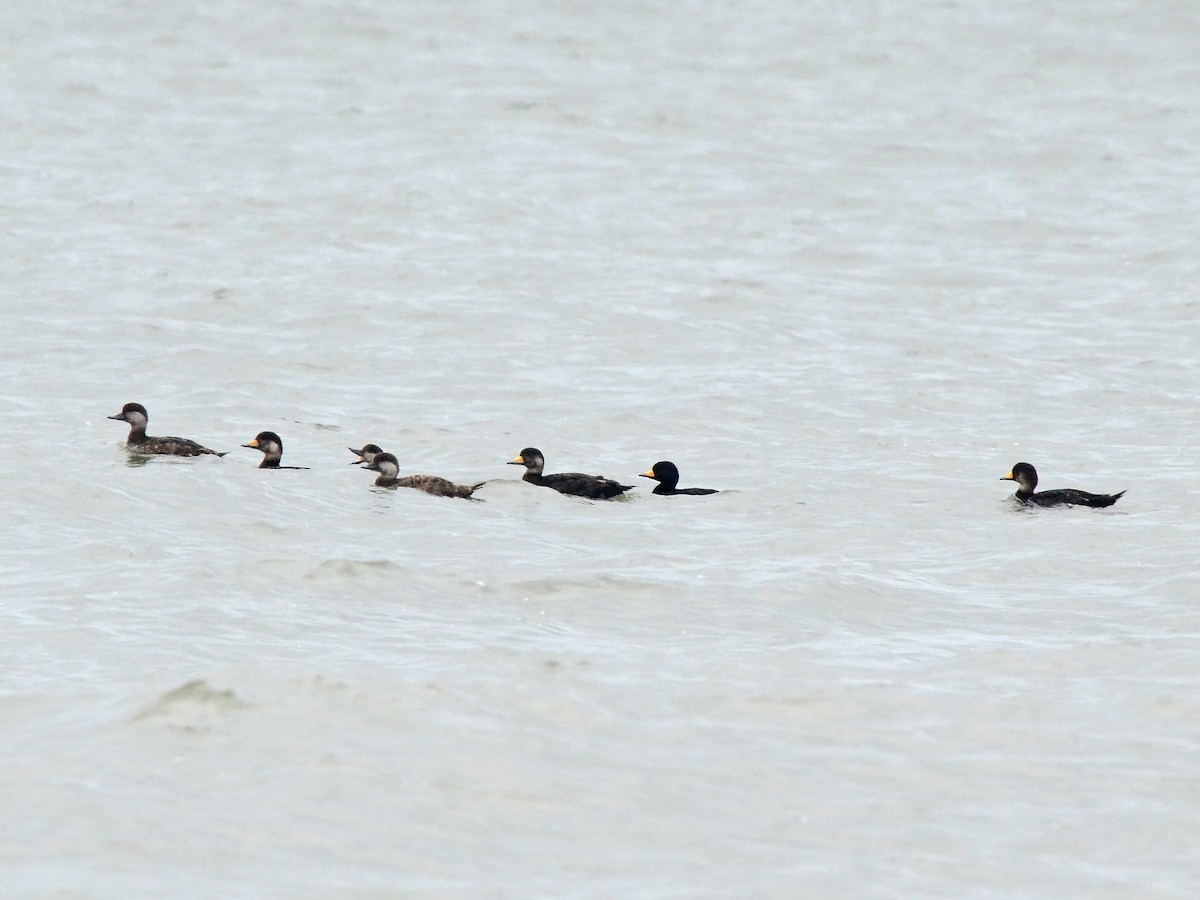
point(847, 265)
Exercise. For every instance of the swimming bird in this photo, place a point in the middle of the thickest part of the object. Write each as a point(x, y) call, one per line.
point(271, 446)
point(594, 487)
point(366, 454)
point(139, 442)
point(667, 476)
point(388, 468)
point(1026, 478)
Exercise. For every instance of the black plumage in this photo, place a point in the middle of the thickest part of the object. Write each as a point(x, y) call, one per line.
point(1026, 478)
point(271, 446)
point(667, 476)
point(593, 487)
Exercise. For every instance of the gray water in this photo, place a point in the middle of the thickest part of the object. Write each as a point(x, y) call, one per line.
point(846, 262)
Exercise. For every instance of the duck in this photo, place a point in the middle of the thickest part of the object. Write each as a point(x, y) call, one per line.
point(271, 446)
point(388, 468)
point(139, 442)
point(667, 476)
point(594, 487)
point(1026, 478)
point(367, 454)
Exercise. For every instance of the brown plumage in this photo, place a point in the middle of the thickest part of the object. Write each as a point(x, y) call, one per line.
point(139, 442)
point(388, 468)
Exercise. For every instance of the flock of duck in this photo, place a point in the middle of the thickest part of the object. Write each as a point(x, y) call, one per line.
point(593, 487)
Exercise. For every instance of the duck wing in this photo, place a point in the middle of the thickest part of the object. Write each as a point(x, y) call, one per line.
point(1073, 497)
point(439, 487)
point(594, 487)
point(172, 446)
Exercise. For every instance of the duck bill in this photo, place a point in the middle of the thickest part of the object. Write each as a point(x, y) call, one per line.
point(253, 445)
point(120, 417)
point(1008, 477)
point(649, 474)
point(519, 461)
